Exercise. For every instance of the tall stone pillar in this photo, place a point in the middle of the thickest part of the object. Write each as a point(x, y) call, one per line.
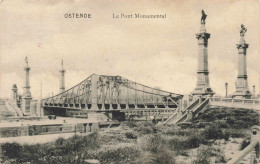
point(203, 87)
point(26, 97)
point(62, 78)
point(14, 93)
point(242, 90)
point(94, 92)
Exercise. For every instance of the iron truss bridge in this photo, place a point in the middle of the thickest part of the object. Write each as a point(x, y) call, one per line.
point(101, 92)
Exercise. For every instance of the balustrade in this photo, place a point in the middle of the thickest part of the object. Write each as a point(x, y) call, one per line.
point(230, 102)
point(253, 148)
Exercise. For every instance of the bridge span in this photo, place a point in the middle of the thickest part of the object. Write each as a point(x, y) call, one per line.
point(102, 93)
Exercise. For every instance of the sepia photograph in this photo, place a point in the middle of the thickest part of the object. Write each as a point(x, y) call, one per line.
point(129, 81)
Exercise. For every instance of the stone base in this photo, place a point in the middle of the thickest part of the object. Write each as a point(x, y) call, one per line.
point(204, 92)
point(242, 95)
point(26, 105)
point(242, 90)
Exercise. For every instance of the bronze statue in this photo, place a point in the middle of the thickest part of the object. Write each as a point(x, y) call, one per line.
point(243, 30)
point(203, 17)
point(26, 60)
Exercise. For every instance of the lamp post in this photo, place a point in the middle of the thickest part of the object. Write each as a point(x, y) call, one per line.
point(226, 85)
point(253, 91)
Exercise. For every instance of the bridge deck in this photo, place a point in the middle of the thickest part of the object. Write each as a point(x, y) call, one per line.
point(236, 103)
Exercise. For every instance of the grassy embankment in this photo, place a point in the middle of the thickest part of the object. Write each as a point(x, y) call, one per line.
point(143, 142)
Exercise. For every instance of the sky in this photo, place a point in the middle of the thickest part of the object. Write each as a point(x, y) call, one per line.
point(155, 52)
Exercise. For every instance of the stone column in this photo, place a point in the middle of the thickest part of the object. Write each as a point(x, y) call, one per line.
point(14, 93)
point(62, 78)
point(254, 91)
point(242, 90)
point(226, 86)
point(203, 87)
point(26, 97)
point(94, 92)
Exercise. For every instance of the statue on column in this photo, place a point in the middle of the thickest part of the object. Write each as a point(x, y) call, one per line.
point(243, 30)
point(203, 17)
point(26, 60)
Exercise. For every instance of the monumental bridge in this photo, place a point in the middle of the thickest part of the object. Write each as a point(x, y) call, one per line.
point(101, 93)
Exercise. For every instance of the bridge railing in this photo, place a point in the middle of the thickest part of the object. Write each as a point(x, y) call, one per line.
point(252, 149)
point(12, 106)
point(197, 109)
point(255, 103)
point(192, 105)
point(173, 118)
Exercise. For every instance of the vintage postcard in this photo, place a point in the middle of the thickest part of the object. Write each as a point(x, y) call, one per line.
point(129, 81)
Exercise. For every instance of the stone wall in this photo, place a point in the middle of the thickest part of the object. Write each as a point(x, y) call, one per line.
point(30, 130)
point(14, 131)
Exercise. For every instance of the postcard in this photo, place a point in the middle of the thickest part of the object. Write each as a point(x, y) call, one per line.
point(120, 81)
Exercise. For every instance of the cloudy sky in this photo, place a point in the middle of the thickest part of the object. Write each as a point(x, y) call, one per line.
point(156, 52)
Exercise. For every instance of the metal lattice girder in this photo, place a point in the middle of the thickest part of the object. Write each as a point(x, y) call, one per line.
point(112, 92)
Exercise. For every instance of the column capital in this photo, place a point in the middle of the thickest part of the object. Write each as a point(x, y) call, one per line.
point(242, 45)
point(203, 35)
point(62, 70)
point(206, 72)
point(242, 76)
point(27, 68)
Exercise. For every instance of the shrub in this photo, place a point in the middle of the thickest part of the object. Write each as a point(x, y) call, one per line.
point(203, 155)
point(184, 132)
point(212, 132)
point(151, 142)
point(59, 141)
point(11, 150)
point(165, 156)
point(231, 117)
point(62, 149)
point(130, 124)
point(176, 144)
point(180, 144)
point(239, 124)
point(130, 135)
point(21, 153)
point(77, 143)
point(118, 154)
point(169, 131)
point(155, 150)
point(147, 158)
point(234, 133)
point(193, 141)
point(205, 117)
point(222, 124)
point(31, 153)
point(146, 128)
point(244, 144)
